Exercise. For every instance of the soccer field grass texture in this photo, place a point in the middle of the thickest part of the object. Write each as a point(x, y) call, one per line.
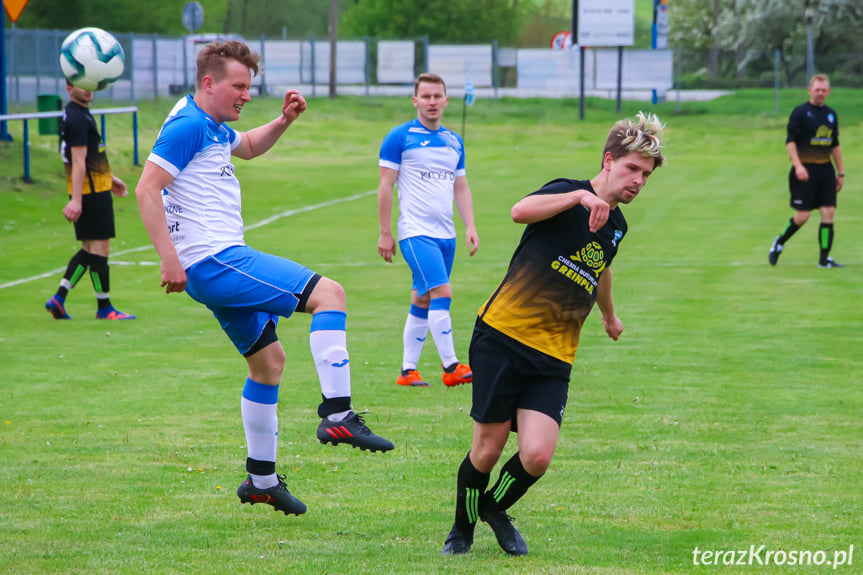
point(726, 416)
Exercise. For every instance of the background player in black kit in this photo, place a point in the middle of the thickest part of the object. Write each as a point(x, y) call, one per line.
point(90, 207)
point(813, 139)
point(527, 332)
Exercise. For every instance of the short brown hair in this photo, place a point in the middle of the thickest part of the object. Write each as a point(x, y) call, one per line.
point(639, 134)
point(429, 79)
point(211, 60)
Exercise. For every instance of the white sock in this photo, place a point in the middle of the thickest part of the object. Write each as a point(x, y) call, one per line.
point(264, 481)
point(330, 351)
point(440, 326)
point(259, 406)
point(415, 333)
point(339, 416)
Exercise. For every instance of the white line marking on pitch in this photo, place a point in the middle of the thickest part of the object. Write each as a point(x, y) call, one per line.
point(262, 223)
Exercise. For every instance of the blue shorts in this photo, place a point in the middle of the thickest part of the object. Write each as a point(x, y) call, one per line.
point(430, 260)
point(245, 289)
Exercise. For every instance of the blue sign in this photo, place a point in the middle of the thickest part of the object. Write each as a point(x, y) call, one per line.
point(193, 16)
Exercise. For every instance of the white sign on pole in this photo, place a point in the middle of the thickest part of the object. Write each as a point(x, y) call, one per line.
point(606, 22)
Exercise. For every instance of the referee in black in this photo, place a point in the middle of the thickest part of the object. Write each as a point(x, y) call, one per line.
point(813, 139)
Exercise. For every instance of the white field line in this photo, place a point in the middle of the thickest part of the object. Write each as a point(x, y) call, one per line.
point(259, 224)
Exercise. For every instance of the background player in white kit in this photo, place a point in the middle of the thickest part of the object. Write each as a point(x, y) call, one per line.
point(427, 161)
point(191, 206)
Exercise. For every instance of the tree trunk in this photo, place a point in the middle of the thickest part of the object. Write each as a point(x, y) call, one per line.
point(334, 36)
point(714, 43)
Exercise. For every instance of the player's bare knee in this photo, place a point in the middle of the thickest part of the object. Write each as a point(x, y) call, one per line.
point(536, 461)
point(440, 291)
point(328, 295)
point(267, 365)
point(800, 218)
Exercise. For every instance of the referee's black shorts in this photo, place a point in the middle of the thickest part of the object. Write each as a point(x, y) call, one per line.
point(97, 217)
point(818, 191)
point(508, 375)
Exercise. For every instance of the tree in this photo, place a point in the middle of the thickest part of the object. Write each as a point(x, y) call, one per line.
point(464, 21)
point(159, 16)
point(758, 27)
point(296, 18)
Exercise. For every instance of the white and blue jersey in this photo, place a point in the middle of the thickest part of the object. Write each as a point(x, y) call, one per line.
point(428, 162)
point(202, 203)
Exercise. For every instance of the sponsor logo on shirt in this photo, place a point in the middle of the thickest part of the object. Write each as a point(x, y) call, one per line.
point(437, 175)
point(572, 270)
point(227, 170)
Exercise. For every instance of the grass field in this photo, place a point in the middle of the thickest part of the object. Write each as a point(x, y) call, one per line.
point(728, 415)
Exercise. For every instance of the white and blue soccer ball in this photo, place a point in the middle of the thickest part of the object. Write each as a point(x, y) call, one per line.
point(92, 59)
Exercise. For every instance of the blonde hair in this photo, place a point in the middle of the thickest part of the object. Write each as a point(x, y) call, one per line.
point(819, 78)
point(639, 134)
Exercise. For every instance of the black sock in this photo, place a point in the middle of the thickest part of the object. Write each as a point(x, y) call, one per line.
point(101, 278)
point(469, 487)
point(513, 482)
point(790, 228)
point(825, 240)
point(74, 270)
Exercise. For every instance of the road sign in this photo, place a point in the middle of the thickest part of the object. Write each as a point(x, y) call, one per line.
point(193, 16)
point(14, 8)
point(561, 40)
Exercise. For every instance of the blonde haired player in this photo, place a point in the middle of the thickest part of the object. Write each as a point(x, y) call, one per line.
point(527, 332)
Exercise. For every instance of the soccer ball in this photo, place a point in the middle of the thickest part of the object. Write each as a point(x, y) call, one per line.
point(91, 58)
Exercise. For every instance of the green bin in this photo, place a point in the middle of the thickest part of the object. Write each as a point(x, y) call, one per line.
point(49, 103)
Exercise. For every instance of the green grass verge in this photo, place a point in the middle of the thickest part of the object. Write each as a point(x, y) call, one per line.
point(728, 414)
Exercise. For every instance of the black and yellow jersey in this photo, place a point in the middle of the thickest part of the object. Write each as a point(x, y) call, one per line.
point(78, 128)
point(815, 130)
point(552, 279)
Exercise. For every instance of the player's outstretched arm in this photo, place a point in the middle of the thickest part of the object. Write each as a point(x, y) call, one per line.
point(259, 140)
point(613, 325)
point(464, 203)
point(386, 241)
point(539, 207)
point(149, 193)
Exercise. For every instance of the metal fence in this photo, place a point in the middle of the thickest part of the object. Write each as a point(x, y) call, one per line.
point(751, 69)
point(158, 66)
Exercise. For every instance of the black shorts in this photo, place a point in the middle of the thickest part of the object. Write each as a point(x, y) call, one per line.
point(508, 375)
point(97, 217)
point(818, 191)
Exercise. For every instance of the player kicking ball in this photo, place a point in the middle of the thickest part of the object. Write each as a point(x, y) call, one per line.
point(190, 202)
point(527, 332)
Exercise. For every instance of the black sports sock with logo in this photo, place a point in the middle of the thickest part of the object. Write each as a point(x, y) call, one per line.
point(100, 275)
point(825, 240)
point(789, 230)
point(469, 487)
point(76, 268)
point(513, 482)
